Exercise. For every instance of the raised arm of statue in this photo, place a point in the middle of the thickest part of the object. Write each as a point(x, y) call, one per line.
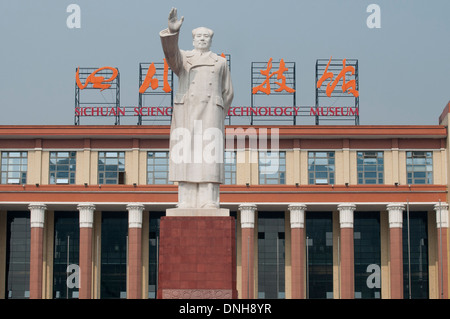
point(174, 24)
point(169, 41)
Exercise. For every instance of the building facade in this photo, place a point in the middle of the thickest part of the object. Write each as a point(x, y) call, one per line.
point(349, 211)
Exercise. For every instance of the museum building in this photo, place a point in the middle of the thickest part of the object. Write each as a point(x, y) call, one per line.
point(352, 211)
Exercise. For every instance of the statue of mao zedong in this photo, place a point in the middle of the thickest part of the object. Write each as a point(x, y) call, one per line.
point(201, 103)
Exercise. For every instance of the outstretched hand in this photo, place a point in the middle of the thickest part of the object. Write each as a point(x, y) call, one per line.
point(174, 23)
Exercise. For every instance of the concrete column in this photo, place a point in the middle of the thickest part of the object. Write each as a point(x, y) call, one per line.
point(85, 258)
point(395, 212)
point(135, 250)
point(442, 239)
point(347, 266)
point(37, 220)
point(297, 216)
point(248, 226)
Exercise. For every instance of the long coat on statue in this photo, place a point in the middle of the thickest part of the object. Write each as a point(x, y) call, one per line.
point(200, 106)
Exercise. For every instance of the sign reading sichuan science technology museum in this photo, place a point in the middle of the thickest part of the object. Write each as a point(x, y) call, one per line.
point(336, 78)
point(233, 111)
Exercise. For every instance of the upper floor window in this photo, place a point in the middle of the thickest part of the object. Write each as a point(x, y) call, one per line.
point(158, 168)
point(14, 167)
point(370, 167)
point(62, 167)
point(321, 167)
point(419, 167)
point(230, 167)
point(111, 167)
point(272, 168)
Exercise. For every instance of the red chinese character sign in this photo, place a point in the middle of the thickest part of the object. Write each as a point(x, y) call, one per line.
point(98, 81)
point(153, 77)
point(155, 90)
point(349, 87)
point(156, 79)
point(271, 79)
point(97, 93)
point(337, 82)
point(97, 89)
point(267, 74)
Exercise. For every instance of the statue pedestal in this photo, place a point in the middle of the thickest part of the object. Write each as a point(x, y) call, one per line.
point(197, 255)
point(197, 212)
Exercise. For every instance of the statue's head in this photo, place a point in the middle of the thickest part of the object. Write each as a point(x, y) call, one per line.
point(202, 38)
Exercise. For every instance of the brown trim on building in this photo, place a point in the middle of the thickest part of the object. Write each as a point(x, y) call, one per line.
point(229, 193)
point(156, 131)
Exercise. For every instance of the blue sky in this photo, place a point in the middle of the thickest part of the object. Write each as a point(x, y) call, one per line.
point(404, 66)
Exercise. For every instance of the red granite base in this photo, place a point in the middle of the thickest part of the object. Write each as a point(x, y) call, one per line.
point(197, 258)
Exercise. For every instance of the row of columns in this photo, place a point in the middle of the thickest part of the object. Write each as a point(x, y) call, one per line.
point(86, 210)
point(347, 275)
point(297, 223)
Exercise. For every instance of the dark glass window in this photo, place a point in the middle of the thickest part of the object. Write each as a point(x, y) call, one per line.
point(320, 168)
point(153, 253)
point(114, 255)
point(18, 255)
point(158, 168)
point(66, 255)
point(419, 167)
point(111, 167)
point(14, 167)
point(367, 254)
point(271, 255)
point(370, 167)
point(272, 168)
point(419, 255)
point(319, 255)
point(63, 166)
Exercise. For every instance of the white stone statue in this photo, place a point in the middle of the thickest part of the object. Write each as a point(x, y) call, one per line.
point(201, 104)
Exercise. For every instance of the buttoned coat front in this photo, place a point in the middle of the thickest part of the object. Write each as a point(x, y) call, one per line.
point(201, 104)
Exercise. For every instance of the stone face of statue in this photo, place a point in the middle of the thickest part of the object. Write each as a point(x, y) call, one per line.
point(202, 39)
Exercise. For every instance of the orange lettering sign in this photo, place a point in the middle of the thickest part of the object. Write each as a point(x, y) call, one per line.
point(265, 86)
point(97, 81)
point(149, 80)
point(154, 83)
point(349, 86)
point(166, 87)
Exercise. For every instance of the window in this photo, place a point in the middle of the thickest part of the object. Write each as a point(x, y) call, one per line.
point(153, 249)
point(271, 255)
point(321, 167)
point(111, 167)
point(62, 167)
point(158, 168)
point(370, 167)
point(114, 255)
point(418, 253)
point(18, 255)
point(230, 167)
point(319, 255)
point(14, 167)
point(66, 255)
point(272, 168)
point(419, 167)
point(367, 250)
